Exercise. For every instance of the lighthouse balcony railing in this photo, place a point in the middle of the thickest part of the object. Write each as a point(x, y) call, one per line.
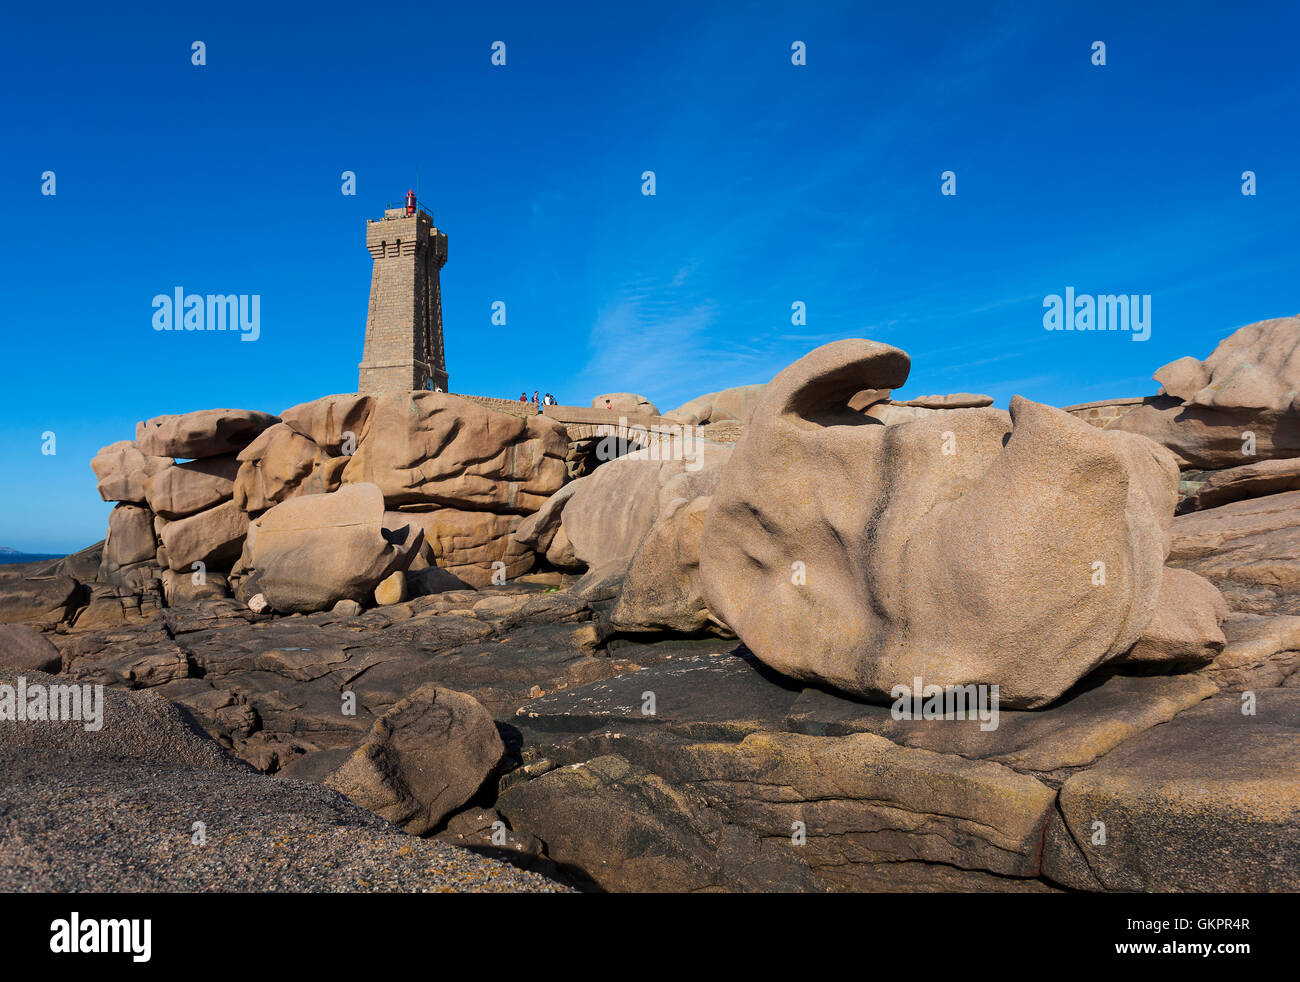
point(396, 205)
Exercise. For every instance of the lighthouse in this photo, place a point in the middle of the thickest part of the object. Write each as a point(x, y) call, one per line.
point(403, 348)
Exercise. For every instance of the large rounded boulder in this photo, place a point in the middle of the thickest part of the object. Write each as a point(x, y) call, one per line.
point(122, 472)
point(625, 402)
point(204, 433)
point(715, 407)
point(964, 547)
point(314, 550)
point(600, 520)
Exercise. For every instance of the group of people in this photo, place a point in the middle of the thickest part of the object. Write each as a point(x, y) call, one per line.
point(539, 400)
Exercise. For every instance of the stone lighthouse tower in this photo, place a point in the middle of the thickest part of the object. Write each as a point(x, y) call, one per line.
point(404, 325)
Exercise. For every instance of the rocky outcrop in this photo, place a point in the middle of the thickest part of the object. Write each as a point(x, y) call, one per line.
point(431, 448)
point(934, 565)
point(172, 517)
point(713, 773)
point(474, 546)
point(42, 598)
point(276, 690)
point(1240, 404)
point(113, 606)
point(1261, 652)
point(670, 764)
point(602, 728)
point(467, 475)
point(1214, 438)
point(282, 463)
point(1255, 367)
point(629, 830)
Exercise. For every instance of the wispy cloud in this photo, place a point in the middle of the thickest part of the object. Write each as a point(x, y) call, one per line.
point(643, 346)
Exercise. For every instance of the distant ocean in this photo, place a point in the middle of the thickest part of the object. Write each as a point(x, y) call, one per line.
point(25, 557)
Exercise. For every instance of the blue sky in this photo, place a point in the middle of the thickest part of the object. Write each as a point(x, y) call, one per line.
point(775, 183)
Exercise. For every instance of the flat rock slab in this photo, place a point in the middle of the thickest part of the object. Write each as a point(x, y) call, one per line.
point(782, 811)
point(1248, 481)
point(863, 799)
point(1091, 720)
point(272, 690)
point(1207, 802)
point(1262, 653)
point(624, 828)
point(693, 694)
point(1249, 549)
point(735, 694)
point(706, 792)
